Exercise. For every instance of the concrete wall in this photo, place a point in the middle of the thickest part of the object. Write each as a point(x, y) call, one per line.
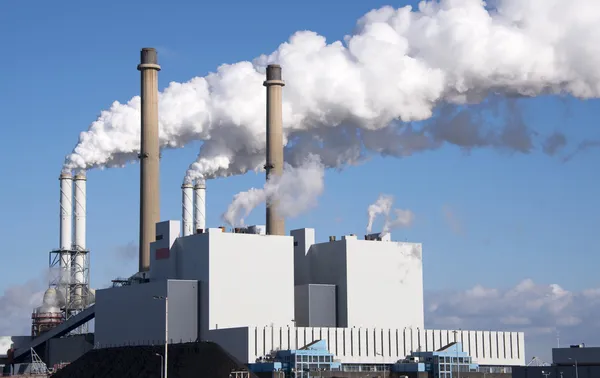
point(301, 306)
point(379, 284)
point(385, 284)
point(328, 266)
point(68, 349)
point(167, 234)
point(130, 314)
point(303, 239)
point(361, 345)
point(555, 371)
point(583, 356)
point(249, 277)
point(233, 340)
point(315, 306)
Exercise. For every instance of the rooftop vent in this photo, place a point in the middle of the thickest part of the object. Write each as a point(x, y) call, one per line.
point(332, 238)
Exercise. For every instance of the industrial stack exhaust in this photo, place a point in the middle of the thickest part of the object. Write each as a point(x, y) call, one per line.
point(79, 243)
point(66, 232)
point(187, 192)
point(274, 166)
point(149, 155)
point(199, 206)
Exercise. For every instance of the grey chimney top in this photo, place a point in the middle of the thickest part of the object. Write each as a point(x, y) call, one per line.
point(148, 56)
point(273, 72)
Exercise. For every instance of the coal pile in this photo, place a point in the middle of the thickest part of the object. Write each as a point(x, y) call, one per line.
point(201, 359)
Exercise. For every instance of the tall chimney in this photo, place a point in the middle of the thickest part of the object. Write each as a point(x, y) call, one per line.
point(187, 197)
point(200, 205)
point(149, 155)
point(274, 84)
point(79, 244)
point(66, 236)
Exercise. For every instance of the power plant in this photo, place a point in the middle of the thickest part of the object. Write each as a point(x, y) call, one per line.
point(255, 291)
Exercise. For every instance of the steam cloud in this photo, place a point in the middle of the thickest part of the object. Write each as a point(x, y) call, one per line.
point(394, 218)
point(16, 304)
point(294, 192)
point(345, 100)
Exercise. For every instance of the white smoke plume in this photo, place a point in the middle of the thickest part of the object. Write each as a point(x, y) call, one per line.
point(344, 100)
point(16, 305)
point(294, 192)
point(393, 218)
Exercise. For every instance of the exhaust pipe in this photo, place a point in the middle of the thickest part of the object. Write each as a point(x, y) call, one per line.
point(186, 215)
point(274, 166)
point(200, 205)
point(78, 267)
point(149, 155)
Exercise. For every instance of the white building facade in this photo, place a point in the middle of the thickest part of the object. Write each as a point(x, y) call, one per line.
point(259, 293)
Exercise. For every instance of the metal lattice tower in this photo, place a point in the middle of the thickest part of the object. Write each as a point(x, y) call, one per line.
point(37, 365)
point(73, 284)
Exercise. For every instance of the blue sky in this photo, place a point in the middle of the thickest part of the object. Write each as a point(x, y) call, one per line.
point(520, 216)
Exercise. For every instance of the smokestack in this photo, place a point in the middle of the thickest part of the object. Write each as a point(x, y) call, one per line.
point(274, 84)
point(187, 193)
point(66, 212)
point(80, 209)
point(149, 155)
point(79, 244)
point(200, 205)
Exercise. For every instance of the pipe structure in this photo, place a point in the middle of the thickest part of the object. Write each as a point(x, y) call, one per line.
point(149, 155)
point(274, 166)
point(200, 205)
point(187, 198)
point(80, 210)
point(66, 236)
point(78, 267)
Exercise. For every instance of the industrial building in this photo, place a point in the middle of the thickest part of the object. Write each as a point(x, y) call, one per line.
point(576, 361)
point(253, 290)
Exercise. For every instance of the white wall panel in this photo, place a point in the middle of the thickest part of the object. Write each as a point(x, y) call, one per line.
point(472, 344)
point(521, 344)
point(506, 336)
point(239, 268)
point(429, 344)
point(494, 345)
point(374, 269)
point(421, 339)
point(486, 345)
point(355, 341)
point(376, 337)
point(437, 339)
point(339, 342)
point(386, 340)
point(414, 339)
point(369, 349)
point(464, 340)
point(444, 338)
point(479, 340)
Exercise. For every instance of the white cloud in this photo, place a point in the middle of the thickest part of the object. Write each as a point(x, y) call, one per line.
point(16, 305)
point(538, 310)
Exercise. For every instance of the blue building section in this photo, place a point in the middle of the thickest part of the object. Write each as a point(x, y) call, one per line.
point(299, 363)
point(443, 363)
point(313, 358)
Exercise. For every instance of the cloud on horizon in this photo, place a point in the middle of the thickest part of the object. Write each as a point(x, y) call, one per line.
point(538, 310)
